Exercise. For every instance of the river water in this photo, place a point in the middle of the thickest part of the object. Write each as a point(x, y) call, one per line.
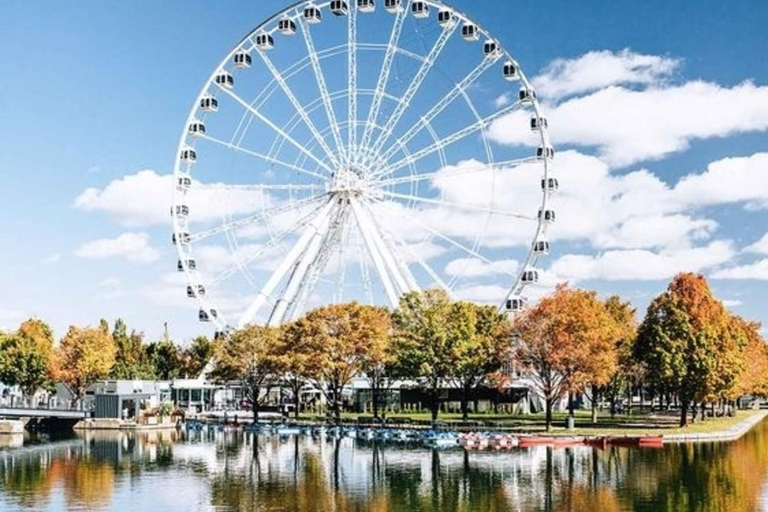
point(168, 472)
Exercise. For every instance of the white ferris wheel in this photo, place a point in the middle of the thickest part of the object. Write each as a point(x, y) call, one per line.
point(345, 150)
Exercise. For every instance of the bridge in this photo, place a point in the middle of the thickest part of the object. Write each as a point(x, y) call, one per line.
point(34, 413)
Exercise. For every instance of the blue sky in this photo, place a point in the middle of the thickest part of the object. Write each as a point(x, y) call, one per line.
point(100, 92)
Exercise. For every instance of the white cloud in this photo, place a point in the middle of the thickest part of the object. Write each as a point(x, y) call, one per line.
point(52, 259)
point(757, 271)
point(133, 247)
point(732, 303)
point(110, 289)
point(598, 69)
point(730, 180)
point(502, 100)
point(760, 247)
point(642, 264)
point(144, 198)
point(11, 318)
point(475, 267)
point(486, 294)
point(629, 126)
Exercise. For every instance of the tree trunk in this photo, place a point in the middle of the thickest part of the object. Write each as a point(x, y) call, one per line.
point(375, 396)
point(296, 388)
point(255, 405)
point(594, 404)
point(435, 404)
point(571, 404)
point(612, 398)
point(548, 406)
point(465, 402)
point(629, 399)
point(684, 413)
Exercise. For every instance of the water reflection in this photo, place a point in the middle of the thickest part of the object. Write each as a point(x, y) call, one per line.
point(240, 472)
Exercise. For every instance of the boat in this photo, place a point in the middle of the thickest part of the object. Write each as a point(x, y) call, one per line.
point(529, 441)
point(288, 431)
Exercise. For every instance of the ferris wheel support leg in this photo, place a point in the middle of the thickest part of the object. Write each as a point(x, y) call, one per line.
point(372, 239)
point(293, 255)
point(299, 273)
point(396, 266)
point(387, 243)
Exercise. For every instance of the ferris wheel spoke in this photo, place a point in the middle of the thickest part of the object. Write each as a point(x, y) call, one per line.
point(450, 139)
point(441, 174)
point(321, 85)
point(274, 241)
point(414, 86)
point(448, 239)
point(299, 108)
point(252, 219)
point(458, 90)
point(365, 271)
point(352, 83)
point(275, 128)
point(452, 204)
point(386, 68)
point(258, 187)
point(262, 156)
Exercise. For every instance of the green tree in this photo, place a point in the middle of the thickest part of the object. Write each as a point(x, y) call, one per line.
point(249, 355)
point(26, 357)
point(482, 337)
point(164, 358)
point(84, 356)
point(196, 356)
point(131, 359)
point(427, 329)
point(681, 339)
point(336, 340)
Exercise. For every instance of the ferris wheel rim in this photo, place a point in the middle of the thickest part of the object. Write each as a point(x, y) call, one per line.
point(531, 258)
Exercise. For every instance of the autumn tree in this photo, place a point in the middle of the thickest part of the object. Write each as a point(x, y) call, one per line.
point(566, 342)
point(26, 356)
point(336, 340)
point(628, 371)
point(295, 365)
point(753, 379)
point(84, 356)
point(249, 355)
point(377, 363)
point(426, 334)
point(131, 358)
point(684, 332)
point(482, 336)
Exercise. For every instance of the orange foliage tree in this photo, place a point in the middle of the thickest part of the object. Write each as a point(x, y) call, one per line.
point(84, 356)
point(336, 340)
point(688, 344)
point(566, 342)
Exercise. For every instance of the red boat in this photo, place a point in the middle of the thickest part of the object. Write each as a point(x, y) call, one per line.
point(536, 441)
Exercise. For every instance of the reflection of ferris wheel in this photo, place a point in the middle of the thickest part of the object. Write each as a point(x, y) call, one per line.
point(345, 151)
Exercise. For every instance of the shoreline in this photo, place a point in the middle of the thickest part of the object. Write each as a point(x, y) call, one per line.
point(725, 434)
point(732, 433)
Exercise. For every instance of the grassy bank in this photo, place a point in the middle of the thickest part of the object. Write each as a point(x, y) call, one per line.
point(632, 425)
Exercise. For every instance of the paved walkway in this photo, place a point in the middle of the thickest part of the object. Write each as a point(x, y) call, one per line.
point(730, 434)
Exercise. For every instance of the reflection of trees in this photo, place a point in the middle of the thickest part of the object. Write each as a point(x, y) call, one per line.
point(302, 475)
point(25, 481)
